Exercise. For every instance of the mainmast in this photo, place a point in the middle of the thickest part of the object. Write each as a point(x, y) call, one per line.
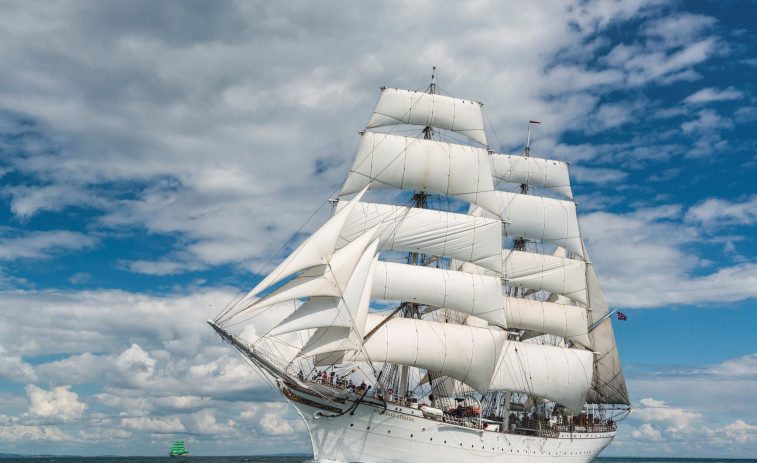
point(519, 244)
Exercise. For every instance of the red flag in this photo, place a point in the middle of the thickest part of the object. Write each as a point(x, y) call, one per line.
point(534, 122)
point(622, 316)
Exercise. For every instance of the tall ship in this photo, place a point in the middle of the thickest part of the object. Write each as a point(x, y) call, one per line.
point(178, 449)
point(446, 311)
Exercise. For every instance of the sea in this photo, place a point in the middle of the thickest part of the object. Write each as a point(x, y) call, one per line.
point(305, 459)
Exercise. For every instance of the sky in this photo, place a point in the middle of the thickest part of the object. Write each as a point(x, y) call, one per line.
point(154, 155)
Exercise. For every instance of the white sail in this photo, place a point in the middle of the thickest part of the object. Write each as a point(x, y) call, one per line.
point(462, 352)
point(333, 340)
point(458, 236)
point(542, 219)
point(324, 280)
point(341, 311)
point(566, 321)
point(314, 251)
point(545, 273)
point(476, 295)
point(555, 373)
point(609, 385)
point(419, 108)
point(391, 161)
point(328, 343)
point(544, 173)
point(558, 275)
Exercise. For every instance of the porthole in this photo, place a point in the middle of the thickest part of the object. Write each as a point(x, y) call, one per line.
point(351, 425)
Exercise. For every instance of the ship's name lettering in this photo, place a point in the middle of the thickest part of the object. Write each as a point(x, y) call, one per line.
point(394, 415)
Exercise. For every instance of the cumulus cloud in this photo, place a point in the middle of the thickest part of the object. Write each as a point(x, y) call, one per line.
point(12, 432)
point(59, 404)
point(158, 119)
point(659, 412)
point(642, 260)
point(647, 432)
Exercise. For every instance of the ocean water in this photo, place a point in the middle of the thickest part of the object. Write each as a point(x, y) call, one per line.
point(302, 459)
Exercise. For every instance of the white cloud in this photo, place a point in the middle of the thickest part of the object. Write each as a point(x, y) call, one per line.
point(160, 425)
point(707, 120)
point(650, 402)
point(678, 29)
point(716, 212)
point(11, 432)
point(14, 368)
point(745, 367)
point(60, 404)
point(647, 432)
point(659, 412)
point(42, 244)
point(209, 136)
point(273, 423)
point(641, 259)
point(708, 95)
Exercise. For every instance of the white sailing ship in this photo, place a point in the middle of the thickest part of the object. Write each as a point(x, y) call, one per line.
point(464, 324)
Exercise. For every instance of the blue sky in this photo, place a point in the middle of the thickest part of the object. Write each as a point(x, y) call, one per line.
point(154, 155)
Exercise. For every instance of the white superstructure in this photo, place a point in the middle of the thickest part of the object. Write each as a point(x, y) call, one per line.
point(497, 344)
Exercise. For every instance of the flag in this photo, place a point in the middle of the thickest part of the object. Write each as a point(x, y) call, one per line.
point(622, 316)
point(534, 122)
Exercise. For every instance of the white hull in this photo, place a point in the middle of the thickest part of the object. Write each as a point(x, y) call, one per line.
point(373, 434)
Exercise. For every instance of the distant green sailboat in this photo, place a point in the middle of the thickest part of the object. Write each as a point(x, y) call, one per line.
point(178, 449)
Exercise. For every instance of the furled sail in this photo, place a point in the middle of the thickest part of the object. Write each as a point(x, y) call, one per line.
point(457, 236)
point(419, 108)
point(555, 373)
point(391, 161)
point(477, 295)
point(544, 173)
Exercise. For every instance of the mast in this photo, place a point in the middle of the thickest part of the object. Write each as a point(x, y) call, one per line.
point(420, 201)
point(519, 244)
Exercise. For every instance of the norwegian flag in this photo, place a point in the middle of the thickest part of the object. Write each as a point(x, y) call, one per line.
point(622, 317)
point(534, 122)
